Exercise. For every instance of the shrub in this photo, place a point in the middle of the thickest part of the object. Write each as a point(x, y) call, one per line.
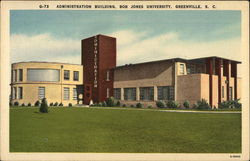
point(10, 104)
point(56, 104)
point(132, 106)
point(37, 103)
point(237, 104)
point(29, 104)
point(186, 104)
point(139, 105)
point(23, 104)
point(202, 104)
point(150, 106)
point(110, 102)
point(124, 105)
point(44, 106)
point(160, 104)
point(104, 104)
point(60, 104)
point(172, 104)
point(51, 104)
point(16, 103)
point(70, 104)
point(118, 103)
point(230, 104)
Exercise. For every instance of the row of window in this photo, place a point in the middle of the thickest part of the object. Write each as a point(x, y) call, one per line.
point(230, 92)
point(14, 75)
point(17, 93)
point(47, 75)
point(67, 75)
point(146, 93)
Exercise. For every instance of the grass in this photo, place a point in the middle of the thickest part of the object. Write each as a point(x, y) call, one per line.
point(109, 130)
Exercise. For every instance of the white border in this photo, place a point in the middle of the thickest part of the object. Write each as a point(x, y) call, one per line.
point(5, 73)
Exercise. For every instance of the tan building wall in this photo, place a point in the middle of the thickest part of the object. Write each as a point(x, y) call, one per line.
point(54, 91)
point(145, 75)
point(192, 87)
point(215, 91)
point(239, 88)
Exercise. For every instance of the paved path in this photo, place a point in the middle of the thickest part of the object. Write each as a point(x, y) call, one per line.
point(141, 109)
point(181, 111)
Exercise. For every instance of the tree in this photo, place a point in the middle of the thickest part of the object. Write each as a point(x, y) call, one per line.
point(44, 106)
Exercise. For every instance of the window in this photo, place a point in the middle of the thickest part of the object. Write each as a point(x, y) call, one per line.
point(190, 69)
point(230, 93)
point(43, 75)
point(12, 75)
point(107, 92)
point(222, 91)
point(14, 93)
point(20, 75)
point(147, 93)
point(129, 93)
point(181, 68)
point(20, 92)
point(15, 76)
point(74, 94)
point(66, 93)
point(108, 75)
point(166, 93)
point(171, 93)
point(76, 76)
point(66, 74)
point(41, 92)
point(117, 93)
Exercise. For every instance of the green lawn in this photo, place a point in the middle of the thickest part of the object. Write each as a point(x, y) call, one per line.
point(114, 130)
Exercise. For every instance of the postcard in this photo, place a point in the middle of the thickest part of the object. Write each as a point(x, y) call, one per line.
point(124, 80)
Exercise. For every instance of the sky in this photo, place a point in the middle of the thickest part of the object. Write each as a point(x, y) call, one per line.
point(55, 36)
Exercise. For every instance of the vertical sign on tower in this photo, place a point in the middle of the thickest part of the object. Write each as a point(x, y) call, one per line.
point(95, 61)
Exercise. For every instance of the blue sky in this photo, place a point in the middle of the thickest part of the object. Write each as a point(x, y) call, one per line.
point(141, 35)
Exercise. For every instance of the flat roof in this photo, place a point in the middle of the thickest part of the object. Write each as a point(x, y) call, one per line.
point(175, 60)
point(45, 62)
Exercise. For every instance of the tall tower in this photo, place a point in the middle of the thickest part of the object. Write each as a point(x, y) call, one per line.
point(98, 60)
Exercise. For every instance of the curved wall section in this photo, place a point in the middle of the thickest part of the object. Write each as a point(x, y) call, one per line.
point(43, 75)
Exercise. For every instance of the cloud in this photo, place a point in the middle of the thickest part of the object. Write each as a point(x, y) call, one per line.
point(44, 47)
point(132, 47)
point(169, 45)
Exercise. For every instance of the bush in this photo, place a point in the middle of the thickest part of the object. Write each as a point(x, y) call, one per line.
point(202, 104)
point(51, 104)
point(37, 103)
point(56, 104)
point(237, 104)
point(104, 104)
point(160, 104)
point(186, 104)
point(16, 103)
point(138, 105)
point(110, 102)
point(60, 104)
point(23, 104)
point(132, 106)
point(230, 104)
point(150, 106)
point(172, 104)
point(118, 103)
point(29, 104)
point(44, 106)
point(70, 104)
point(10, 104)
point(124, 105)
